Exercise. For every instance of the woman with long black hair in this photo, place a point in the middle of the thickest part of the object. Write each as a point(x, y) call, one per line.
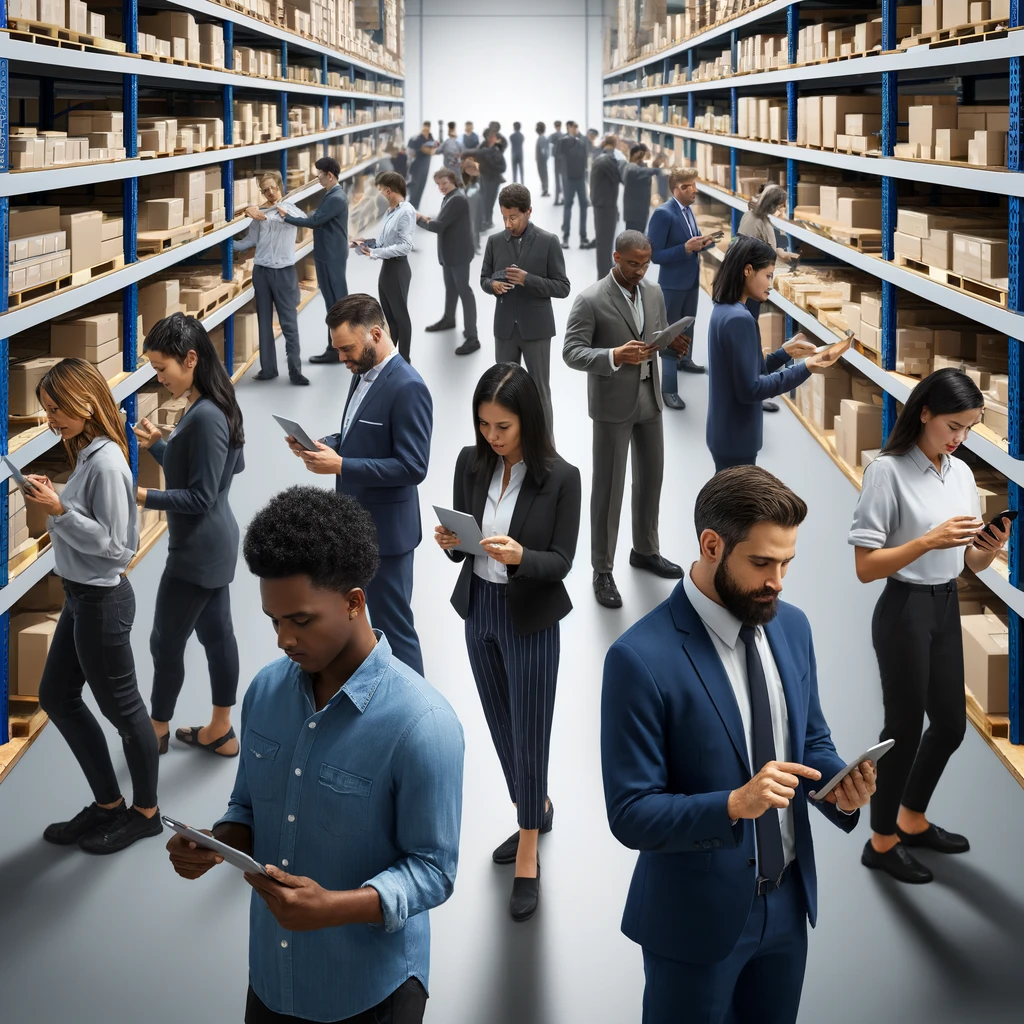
point(526, 500)
point(918, 522)
point(199, 459)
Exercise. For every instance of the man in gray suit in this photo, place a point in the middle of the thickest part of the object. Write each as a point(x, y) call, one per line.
point(524, 267)
point(555, 138)
point(608, 338)
point(604, 198)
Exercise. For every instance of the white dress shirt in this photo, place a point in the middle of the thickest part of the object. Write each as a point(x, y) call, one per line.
point(691, 220)
point(636, 307)
point(364, 385)
point(724, 629)
point(395, 238)
point(905, 496)
point(497, 518)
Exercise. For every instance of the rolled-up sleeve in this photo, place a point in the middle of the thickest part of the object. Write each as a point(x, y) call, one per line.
point(428, 816)
point(877, 513)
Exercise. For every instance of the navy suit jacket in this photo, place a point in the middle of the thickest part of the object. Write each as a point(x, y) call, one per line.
point(669, 233)
point(672, 750)
point(386, 452)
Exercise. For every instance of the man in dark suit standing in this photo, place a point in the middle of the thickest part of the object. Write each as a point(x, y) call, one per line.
point(712, 742)
point(455, 251)
point(555, 138)
point(604, 198)
point(543, 151)
point(492, 169)
point(524, 267)
point(636, 188)
point(574, 151)
point(517, 139)
point(380, 456)
point(422, 148)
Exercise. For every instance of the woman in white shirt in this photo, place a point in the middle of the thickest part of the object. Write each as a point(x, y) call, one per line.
point(526, 500)
point(918, 522)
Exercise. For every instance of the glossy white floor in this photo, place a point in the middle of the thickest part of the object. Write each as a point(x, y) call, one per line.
point(124, 940)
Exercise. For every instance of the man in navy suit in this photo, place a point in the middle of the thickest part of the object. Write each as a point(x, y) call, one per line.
point(676, 243)
point(712, 740)
point(379, 457)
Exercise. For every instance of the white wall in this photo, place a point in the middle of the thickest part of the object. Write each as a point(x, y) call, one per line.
point(528, 61)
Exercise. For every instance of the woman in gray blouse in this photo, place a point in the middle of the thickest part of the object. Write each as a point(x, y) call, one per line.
point(200, 459)
point(756, 224)
point(94, 529)
point(918, 522)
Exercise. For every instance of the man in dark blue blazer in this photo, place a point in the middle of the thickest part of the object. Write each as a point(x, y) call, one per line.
point(712, 740)
point(380, 456)
point(676, 244)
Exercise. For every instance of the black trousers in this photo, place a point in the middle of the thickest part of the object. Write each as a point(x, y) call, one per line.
point(488, 197)
point(575, 188)
point(333, 285)
point(916, 634)
point(92, 643)
point(389, 599)
point(404, 1006)
point(542, 171)
point(277, 288)
point(393, 289)
point(182, 609)
point(727, 463)
point(417, 183)
point(637, 225)
point(457, 286)
point(559, 178)
point(606, 220)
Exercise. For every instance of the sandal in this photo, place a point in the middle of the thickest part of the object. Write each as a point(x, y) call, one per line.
point(190, 737)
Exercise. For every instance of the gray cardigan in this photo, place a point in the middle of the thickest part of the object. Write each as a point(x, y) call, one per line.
point(199, 465)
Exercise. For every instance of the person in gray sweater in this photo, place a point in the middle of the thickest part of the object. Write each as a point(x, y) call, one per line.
point(199, 459)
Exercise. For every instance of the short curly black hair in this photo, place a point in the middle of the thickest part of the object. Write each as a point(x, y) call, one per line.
point(310, 531)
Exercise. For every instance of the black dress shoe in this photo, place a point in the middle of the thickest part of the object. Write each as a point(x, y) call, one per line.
point(898, 862)
point(468, 347)
point(672, 400)
point(264, 376)
point(935, 838)
point(299, 378)
point(657, 564)
point(66, 833)
point(689, 366)
point(544, 195)
point(565, 245)
point(506, 853)
point(606, 592)
point(557, 202)
point(770, 406)
point(525, 896)
point(441, 325)
point(584, 244)
point(326, 357)
point(130, 827)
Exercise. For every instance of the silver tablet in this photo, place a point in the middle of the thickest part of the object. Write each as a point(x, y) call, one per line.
point(464, 526)
point(294, 430)
point(871, 754)
point(665, 338)
point(231, 856)
point(19, 477)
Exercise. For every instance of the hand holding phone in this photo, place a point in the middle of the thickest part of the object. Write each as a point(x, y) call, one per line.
point(1000, 522)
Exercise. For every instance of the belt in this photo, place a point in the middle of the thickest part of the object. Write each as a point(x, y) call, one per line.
point(763, 886)
point(949, 587)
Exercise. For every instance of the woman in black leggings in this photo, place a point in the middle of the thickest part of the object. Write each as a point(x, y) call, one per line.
point(199, 459)
point(917, 523)
point(94, 529)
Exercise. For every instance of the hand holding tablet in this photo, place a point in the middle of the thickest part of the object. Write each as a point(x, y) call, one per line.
point(872, 754)
point(234, 857)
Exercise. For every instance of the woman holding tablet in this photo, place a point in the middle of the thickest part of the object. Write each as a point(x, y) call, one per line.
point(526, 500)
point(916, 525)
point(94, 529)
point(200, 459)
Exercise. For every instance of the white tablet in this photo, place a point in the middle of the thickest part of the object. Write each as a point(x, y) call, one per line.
point(464, 526)
point(231, 856)
point(664, 338)
point(294, 430)
point(871, 754)
point(19, 478)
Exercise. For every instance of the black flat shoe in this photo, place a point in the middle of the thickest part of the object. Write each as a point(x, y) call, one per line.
point(689, 366)
point(88, 819)
point(606, 592)
point(299, 379)
point(898, 862)
point(468, 347)
point(770, 406)
point(130, 827)
point(525, 896)
point(588, 245)
point(935, 838)
point(672, 400)
point(162, 742)
point(506, 853)
point(441, 325)
point(657, 564)
point(190, 737)
point(326, 357)
point(264, 376)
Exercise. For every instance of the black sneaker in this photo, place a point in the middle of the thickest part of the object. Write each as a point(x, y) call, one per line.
point(66, 833)
point(119, 835)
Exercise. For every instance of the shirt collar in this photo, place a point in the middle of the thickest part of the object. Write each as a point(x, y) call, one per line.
point(636, 301)
point(924, 464)
point(93, 447)
point(374, 372)
point(362, 684)
point(680, 205)
point(717, 619)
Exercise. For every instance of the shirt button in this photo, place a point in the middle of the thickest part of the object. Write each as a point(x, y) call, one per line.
point(312, 725)
point(284, 862)
point(291, 817)
point(259, 755)
point(298, 771)
point(284, 943)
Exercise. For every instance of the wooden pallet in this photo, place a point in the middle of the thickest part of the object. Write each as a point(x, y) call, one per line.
point(978, 32)
point(976, 289)
point(866, 240)
point(56, 33)
point(12, 751)
point(151, 242)
point(25, 717)
point(220, 297)
point(87, 274)
point(993, 726)
point(39, 291)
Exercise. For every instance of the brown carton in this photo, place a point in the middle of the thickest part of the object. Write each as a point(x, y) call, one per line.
point(861, 428)
point(161, 214)
point(33, 647)
point(951, 143)
point(24, 376)
point(83, 233)
point(86, 331)
point(26, 221)
point(834, 110)
point(987, 149)
point(860, 213)
point(19, 623)
point(907, 245)
point(986, 661)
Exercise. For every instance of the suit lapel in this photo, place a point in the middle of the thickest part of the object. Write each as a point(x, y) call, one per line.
point(352, 385)
point(478, 499)
point(796, 705)
point(650, 311)
point(528, 238)
point(527, 492)
point(377, 389)
point(619, 300)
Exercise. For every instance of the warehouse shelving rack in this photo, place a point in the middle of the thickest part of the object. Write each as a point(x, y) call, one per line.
point(879, 69)
point(35, 58)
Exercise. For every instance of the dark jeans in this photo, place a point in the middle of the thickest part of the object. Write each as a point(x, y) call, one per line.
point(393, 289)
point(457, 286)
point(542, 171)
point(331, 279)
point(606, 220)
point(181, 609)
point(919, 646)
point(92, 643)
point(575, 187)
point(418, 174)
point(489, 188)
point(517, 167)
point(389, 599)
point(559, 178)
point(677, 305)
point(277, 288)
point(727, 463)
point(404, 1006)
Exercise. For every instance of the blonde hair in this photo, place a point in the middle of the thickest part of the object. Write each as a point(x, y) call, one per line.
point(681, 176)
point(78, 390)
point(274, 177)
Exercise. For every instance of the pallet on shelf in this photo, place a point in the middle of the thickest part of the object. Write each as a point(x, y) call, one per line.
point(988, 291)
point(996, 28)
point(87, 274)
point(867, 240)
point(12, 751)
point(41, 32)
point(39, 291)
point(151, 242)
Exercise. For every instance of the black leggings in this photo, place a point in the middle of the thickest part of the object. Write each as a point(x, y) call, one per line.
point(917, 639)
point(181, 609)
point(393, 288)
point(92, 643)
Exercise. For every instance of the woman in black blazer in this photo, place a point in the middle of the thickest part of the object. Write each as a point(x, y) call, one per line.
point(526, 500)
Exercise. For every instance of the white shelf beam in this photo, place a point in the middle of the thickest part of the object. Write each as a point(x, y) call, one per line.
point(16, 183)
point(119, 64)
point(1005, 183)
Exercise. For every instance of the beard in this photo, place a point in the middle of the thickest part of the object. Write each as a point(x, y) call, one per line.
point(367, 359)
point(745, 604)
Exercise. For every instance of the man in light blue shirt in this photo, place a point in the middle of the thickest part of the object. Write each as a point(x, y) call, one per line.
point(349, 787)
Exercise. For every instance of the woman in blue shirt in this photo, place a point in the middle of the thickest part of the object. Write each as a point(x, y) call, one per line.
point(740, 377)
point(200, 460)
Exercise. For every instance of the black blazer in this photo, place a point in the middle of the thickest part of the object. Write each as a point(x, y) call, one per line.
point(604, 182)
point(454, 230)
point(528, 305)
point(636, 192)
point(546, 522)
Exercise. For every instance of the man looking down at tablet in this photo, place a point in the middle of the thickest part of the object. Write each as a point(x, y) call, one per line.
point(349, 787)
point(712, 739)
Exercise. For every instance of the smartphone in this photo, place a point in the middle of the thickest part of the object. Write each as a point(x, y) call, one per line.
point(22, 482)
point(1009, 515)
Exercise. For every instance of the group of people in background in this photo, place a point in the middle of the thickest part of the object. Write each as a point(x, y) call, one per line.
point(349, 787)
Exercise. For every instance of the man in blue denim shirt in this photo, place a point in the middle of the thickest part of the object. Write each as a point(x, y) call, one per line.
point(349, 787)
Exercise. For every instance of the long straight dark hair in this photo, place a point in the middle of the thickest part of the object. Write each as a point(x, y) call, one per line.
point(514, 389)
point(745, 251)
point(943, 392)
point(176, 336)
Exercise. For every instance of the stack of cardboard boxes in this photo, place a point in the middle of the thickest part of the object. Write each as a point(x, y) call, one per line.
point(33, 622)
point(259, 63)
point(761, 118)
point(943, 14)
point(163, 135)
point(37, 250)
point(158, 299)
point(305, 120)
point(70, 14)
point(168, 202)
point(246, 341)
point(256, 122)
point(33, 149)
point(104, 130)
point(927, 235)
point(211, 44)
point(174, 33)
point(823, 40)
point(762, 53)
point(95, 338)
point(939, 129)
point(986, 642)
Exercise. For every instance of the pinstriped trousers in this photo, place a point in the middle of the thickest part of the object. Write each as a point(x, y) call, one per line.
point(515, 676)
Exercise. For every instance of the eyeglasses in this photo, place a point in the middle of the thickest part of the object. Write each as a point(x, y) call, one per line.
point(268, 192)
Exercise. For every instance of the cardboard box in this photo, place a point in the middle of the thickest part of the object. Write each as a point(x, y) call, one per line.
point(24, 376)
point(26, 9)
point(83, 232)
point(907, 245)
point(860, 213)
point(867, 35)
point(161, 214)
point(980, 258)
point(995, 418)
point(46, 596)
point(863, 124)
point(84, 332)
point(51, 12)
point(986, 642)
point(97, 25)
point(861, 427)
point(951, 143)
point(158, 300)
point(33, 647)
point(925, 119)
point(955, 13)
point(812, 114)
point(20, 623)
point(111, 365)
point(827, 391)
point(110, 249)
point(931, 15)
point(987, 149)
point(1001, 387)
point(834, 110)
point(25, 221)
point(76, 16)
point(246, 335)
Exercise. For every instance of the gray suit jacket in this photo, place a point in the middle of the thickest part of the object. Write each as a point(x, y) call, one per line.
point(601, 320)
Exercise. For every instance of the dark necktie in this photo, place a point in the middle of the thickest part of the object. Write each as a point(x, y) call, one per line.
point(770, 855)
